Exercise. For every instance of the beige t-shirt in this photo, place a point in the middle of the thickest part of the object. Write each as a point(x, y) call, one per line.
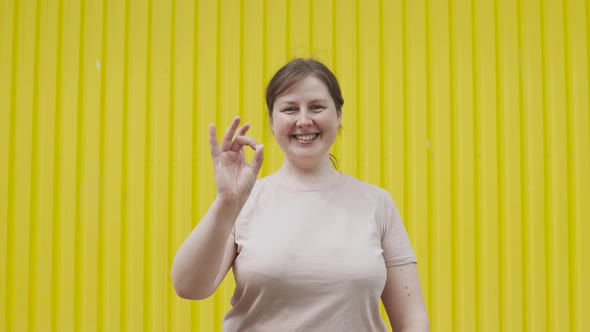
point(315, 260)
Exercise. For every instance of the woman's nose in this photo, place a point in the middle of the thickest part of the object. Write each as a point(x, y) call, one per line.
point(304, 119)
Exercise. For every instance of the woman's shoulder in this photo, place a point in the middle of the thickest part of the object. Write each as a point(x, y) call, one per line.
point(259, 186)
point(265, 181)
point(364, 187)
point(264, 186)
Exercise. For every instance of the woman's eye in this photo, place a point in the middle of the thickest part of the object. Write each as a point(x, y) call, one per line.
point(317, 108)
point(290, 110)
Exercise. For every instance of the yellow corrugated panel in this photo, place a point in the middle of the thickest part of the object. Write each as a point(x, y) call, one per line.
point(474, 115)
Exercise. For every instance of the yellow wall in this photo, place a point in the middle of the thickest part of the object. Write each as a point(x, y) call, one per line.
point(474, 114)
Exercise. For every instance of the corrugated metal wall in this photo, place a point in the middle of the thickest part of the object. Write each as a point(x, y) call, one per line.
point(474, 114)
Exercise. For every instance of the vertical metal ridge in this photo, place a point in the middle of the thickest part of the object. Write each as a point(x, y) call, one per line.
point(310, 36)
point(381, 123)
point(500, 172)
point(588, 51)
point(170, 305)
point(194, 139)
point(34, 198)
point(430, 196)
point(357, 80)
point(476, 174)
point(334, 53)
point(124, 173)
point(571, 178)
point(11, 173)
point(404, 53)
point(241, 57)
point(101, 173)
point(587, 18)
point(453, 165)
point(265, 70)
point(78, 224)
point(195, 124)
point(147, 173)
point(55, 243)
point(287, 28)
point(523, 166)
point(265, 65)
point(546, 175)
point(218, 117)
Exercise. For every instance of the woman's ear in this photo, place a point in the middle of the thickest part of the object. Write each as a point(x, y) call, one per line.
point(272, 127)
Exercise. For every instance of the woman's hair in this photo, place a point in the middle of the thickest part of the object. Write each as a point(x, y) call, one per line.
point(296, 70)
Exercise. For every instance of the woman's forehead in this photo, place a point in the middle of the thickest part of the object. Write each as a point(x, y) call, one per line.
point(309, 87)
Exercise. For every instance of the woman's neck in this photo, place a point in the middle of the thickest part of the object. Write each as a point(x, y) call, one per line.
point(319, 175)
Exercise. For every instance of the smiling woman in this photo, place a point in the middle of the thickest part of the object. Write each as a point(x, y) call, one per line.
point(295, 71)
point(312, 249)
point(305, 122)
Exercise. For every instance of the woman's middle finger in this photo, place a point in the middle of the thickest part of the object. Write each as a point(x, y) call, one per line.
point(243, 129)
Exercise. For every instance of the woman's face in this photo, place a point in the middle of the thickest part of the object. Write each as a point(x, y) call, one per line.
point(305, 122)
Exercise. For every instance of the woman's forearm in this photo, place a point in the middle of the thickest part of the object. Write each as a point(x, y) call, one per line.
point(200, 258)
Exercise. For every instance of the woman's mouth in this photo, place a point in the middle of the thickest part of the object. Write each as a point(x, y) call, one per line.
point(306, 137)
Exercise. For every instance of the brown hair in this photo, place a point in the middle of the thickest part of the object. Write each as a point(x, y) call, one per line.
point(296, 70)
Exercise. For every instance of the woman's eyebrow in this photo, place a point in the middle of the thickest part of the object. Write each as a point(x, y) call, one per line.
point(293, 102)
point(287, 102)
point(320, 100)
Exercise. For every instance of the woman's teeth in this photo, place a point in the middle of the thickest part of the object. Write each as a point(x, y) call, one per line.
point(308, 137)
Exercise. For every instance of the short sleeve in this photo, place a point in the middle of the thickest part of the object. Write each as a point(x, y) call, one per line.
point(397, 249)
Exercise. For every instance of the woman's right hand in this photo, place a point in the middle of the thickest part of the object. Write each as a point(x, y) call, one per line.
point(234, 177)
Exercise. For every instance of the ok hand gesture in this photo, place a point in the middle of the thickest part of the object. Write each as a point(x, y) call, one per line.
point(234, 177)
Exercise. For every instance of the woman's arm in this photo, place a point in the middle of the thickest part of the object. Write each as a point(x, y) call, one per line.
point(403, 300)
point(206, 255)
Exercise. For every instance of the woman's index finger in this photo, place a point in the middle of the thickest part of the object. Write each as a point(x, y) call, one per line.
point(213, 141)
point(229, 134)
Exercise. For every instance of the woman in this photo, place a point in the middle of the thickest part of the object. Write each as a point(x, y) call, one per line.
point(312, 249)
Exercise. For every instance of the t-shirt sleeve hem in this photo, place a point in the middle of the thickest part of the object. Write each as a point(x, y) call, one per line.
point(400, 261)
